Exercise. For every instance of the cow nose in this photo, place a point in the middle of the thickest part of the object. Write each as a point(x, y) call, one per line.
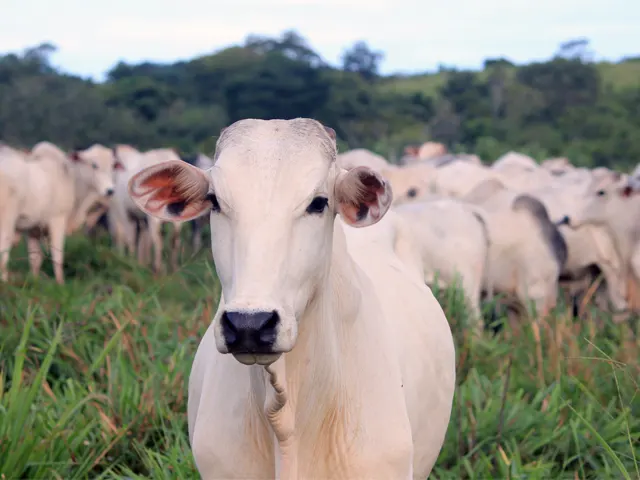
point(249, 332)
point(109, 192)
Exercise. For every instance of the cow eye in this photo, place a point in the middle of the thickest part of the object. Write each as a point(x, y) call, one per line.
point(215, 206)
point(95, 166)
point(318, 205)
point(412, 192)
point(600, 193)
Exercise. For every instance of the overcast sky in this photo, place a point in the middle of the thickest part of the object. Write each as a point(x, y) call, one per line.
point(416, 35)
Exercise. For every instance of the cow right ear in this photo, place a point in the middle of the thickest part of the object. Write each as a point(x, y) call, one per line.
point(171, 191)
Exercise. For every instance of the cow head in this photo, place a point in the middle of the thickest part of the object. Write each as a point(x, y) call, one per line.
point(604, 199)
point(272, 196)
point(98, 165)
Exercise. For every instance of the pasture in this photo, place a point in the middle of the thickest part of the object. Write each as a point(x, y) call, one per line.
point(94, 379)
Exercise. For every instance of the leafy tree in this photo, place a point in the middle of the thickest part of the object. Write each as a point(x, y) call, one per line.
point(556, 107)
point(362, 60)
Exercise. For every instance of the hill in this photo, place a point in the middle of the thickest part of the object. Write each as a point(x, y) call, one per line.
point(619, 76)
point(566, 106)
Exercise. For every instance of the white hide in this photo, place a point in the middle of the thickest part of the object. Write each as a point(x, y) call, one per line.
point(513, 161)
point(587, 245)
point(360, 382)
point(39, 190)
point(361, 157)
point(94, 184)
point(124, 213)
point(521, 262)
point(614, 206)
point(453, 245)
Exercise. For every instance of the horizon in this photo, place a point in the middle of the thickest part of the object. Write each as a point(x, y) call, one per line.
point(160, 32)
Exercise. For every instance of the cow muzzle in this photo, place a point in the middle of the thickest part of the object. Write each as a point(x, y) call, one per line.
point(250, 336)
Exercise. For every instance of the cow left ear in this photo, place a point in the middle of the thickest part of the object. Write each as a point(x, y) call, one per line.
point(362, 196)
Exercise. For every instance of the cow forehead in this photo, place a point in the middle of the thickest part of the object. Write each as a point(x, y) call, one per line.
point(278, 175)
point(102, 156)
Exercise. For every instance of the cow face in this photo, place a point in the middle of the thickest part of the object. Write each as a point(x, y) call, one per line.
point(272, 196)
point(604, 198)
point(98, 166)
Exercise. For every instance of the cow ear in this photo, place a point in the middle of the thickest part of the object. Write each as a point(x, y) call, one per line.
point(171, 191)
point(362, 196)
point(626, 191)
point(330, 131)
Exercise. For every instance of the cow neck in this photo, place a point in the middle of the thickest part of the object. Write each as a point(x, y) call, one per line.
point(80, 188)
point(308, 402)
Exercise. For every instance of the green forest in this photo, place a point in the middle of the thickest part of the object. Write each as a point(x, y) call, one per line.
point(567, 106)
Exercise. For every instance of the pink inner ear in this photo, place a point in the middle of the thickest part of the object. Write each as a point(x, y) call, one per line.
point(118, 166)
point(75, 156)
point(626, 191)
point(163, 186)
point(373, 187)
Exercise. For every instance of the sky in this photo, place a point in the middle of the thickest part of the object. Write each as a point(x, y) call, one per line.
point(415, 35)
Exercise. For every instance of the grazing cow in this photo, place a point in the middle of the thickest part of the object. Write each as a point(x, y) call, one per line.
point(411, 182)
point(129, 226)
point(91, 202)
point(344, 362)
point(511, 161)
point(615, 206)
point(453, 245)
point(39, 193)
point(557, 165)
point(527, 252)
point(587, 247)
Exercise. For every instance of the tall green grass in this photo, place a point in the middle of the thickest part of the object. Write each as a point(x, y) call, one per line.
point(93, 380)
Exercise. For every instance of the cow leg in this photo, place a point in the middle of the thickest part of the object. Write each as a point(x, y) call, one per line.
point(8, 217)
point(616, 287)
point(144, 243)
point(35, 253)
point(196, 234)
point(471, 292)
point(155, 235)
point(57, 227)
point(175, 246)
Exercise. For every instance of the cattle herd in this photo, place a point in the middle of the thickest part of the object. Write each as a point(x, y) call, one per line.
point(332, 253)
point(515, 228)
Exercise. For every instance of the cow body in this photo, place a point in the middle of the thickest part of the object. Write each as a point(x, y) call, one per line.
point(40, 197)
point(343, 362)
point(453, 244)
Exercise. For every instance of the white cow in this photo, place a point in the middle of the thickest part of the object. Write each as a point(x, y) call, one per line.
point(344, 362)
point(453, 245)
point(615, 206)
point(39, 194)
point(90, 202)
point(587, 246)
point(527, 252)
point(127, 223)
point(512, 161)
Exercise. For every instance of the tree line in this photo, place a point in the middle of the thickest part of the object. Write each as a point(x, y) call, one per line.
point(560, 107)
